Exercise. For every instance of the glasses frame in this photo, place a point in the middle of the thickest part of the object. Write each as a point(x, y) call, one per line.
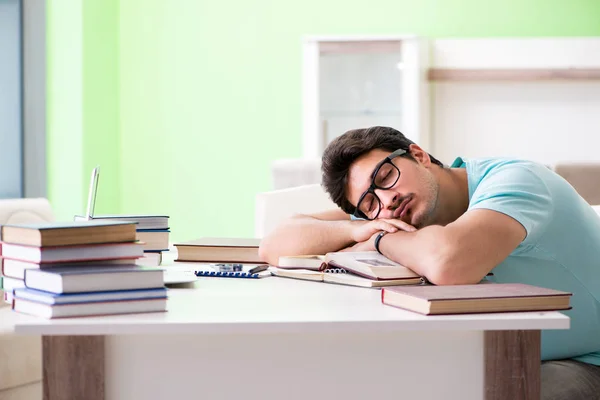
point(388, 160)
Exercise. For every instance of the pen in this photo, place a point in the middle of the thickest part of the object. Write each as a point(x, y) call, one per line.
point(258, 269)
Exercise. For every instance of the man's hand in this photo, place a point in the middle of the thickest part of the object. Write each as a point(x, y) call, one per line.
point(365, 230)
point(367, 245)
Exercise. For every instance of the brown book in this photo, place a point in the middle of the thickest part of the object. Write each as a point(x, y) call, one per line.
point(69, 233)
point(479, 298)
point(220, 250)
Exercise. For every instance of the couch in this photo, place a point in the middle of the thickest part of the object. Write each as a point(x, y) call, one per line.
point(21, 356)
point(288, 173)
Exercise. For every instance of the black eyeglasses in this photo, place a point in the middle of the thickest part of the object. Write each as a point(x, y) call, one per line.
point(385, 175)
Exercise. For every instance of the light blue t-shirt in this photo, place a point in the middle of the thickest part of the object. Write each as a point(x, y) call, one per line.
point(561, 250)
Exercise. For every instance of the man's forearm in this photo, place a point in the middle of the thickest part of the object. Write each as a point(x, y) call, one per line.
point(424, 251)
point(305, 235)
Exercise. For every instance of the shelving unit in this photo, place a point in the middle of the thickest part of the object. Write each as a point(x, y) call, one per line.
point(512, 74)
point(356, 82)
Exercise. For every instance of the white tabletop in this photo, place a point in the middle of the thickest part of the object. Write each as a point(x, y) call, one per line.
point(272, 305)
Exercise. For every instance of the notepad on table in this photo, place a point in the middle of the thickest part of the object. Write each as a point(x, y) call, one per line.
point(244, 271)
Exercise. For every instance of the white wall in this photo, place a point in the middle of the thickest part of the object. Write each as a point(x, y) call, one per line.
point(546, 121)
point(542, 121)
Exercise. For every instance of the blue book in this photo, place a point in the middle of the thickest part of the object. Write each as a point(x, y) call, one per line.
point(39, 296)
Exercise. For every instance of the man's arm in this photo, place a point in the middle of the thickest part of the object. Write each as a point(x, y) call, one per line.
point(320, 233)
point(462, 252)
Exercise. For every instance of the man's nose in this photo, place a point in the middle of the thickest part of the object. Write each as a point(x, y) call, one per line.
point(388, 198)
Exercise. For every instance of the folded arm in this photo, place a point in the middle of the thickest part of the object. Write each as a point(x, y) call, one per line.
point(462, 252)
point(321, 233)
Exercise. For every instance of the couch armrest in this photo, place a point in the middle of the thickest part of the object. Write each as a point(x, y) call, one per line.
point(272, 207)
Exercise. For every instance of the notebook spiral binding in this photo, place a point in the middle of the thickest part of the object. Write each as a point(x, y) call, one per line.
point(335, 270)
point(227, 274)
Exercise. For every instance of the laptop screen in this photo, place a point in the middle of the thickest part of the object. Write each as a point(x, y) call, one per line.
point(92, 193)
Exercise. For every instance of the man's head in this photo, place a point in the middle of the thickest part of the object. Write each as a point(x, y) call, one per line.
point(384, 173)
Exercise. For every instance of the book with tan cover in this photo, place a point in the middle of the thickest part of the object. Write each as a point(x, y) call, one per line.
point(69, 233)
point(478, 298)
point(221, 250)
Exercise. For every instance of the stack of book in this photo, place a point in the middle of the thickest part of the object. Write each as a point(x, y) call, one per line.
point(78, 269)
point(152, 230)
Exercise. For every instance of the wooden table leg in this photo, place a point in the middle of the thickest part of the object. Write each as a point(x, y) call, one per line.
point(512, 365)
point(73, 367)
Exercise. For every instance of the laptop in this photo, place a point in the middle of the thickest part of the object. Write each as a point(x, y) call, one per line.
point(184, 274)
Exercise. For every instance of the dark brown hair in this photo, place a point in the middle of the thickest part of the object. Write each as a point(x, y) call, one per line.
point(345, 149)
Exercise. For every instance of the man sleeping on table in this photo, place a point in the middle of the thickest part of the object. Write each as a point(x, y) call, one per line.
point(454, 225)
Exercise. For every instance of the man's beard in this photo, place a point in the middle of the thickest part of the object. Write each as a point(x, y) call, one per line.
point(429, 215)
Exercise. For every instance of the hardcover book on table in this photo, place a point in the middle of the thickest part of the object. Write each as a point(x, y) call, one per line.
point(93, 279)
point(45, 234)
point(222, 250)
point(478, 298)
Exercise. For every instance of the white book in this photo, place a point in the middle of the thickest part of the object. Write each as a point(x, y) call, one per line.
point(16, 268)
point(72, 253)
point(89, 309)
point(10, 284)
point(150, 259)
point(93, 279)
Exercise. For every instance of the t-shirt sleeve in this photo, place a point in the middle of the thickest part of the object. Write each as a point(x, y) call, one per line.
point(520, 192)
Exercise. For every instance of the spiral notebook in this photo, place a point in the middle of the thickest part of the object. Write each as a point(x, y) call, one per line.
point(229, 271)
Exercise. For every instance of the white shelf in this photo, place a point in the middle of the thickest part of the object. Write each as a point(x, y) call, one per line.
point(513, 74)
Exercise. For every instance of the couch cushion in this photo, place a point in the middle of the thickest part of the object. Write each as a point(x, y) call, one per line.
point(293, 172)
point(16, 211)
point(584, 177)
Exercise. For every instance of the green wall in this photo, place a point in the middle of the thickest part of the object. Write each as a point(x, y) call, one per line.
point(187, 102)
point(83, 103)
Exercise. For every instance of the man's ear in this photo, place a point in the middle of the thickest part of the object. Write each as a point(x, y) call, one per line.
point(420, 155)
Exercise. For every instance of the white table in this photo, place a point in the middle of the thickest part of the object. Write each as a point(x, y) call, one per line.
point(278, 338)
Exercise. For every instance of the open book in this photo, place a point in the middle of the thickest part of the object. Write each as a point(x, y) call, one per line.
point(368, 264)
point(341, 277)
point(367, 269)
